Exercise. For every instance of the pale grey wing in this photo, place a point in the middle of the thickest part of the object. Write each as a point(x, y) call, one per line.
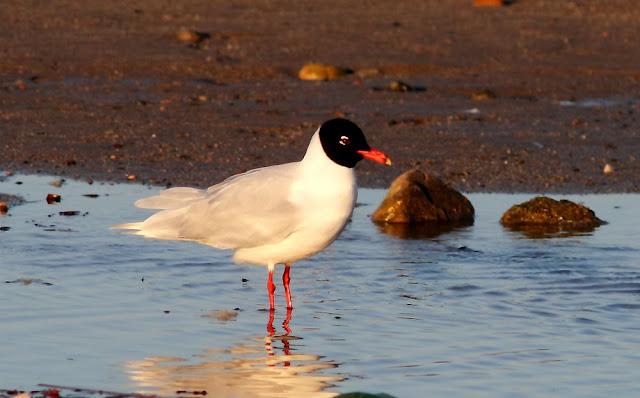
point(174, 198)
point(247, 210)
point(171, 198)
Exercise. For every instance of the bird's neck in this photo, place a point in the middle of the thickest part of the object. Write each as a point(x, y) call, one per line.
point(317, 165)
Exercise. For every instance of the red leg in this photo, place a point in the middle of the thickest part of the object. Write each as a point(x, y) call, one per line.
point(270, 329)
point(285, 341)
point(271, 288)
point(285, 281)
point(285, 323)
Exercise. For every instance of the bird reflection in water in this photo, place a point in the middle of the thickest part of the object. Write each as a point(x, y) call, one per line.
point(271, 335)
point(259, 367)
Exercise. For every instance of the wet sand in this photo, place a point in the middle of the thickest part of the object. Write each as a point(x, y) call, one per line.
point(106, 91)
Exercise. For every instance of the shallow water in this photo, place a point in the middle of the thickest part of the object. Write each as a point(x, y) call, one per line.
point(478, 311)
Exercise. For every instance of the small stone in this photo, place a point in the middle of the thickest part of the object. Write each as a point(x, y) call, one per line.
point(4, 208)
point(488, 3)
point(192, 36)
point(53, 198)
point(483, 95)
point(315, 71)
point(131, 177)
point(367, 72)
point(20, 85)
point(399, 86)
point(418, 198)
point(578, 122)
point(57, 183)
point(51, 393)
point(608, 169)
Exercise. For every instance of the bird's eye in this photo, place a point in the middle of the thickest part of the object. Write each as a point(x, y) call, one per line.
point(344, 140)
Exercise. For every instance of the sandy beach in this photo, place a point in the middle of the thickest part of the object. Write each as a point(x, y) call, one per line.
point(538, 96)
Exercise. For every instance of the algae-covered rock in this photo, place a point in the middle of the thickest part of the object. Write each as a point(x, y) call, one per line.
point(542, 210)
point(416, 198)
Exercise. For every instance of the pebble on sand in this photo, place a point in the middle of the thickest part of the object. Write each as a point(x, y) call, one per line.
point(315, 71)
point(57, 183)
point(489, 3)
point(69, 213)
point(417, 198)
point(192, 36)
point(53, 198)
point(543, 210)
point(367, 72)
point(483, 95)
point(399, 86)
point(608, 169)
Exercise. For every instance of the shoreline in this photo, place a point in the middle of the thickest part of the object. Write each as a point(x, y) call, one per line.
point(539, 96)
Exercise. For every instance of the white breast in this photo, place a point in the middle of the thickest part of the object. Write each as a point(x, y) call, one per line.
point(326, 193)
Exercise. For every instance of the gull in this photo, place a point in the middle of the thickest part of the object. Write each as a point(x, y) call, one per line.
point(271, 215)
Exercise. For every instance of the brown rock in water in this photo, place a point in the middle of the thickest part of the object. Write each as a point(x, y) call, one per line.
point(542, 210)
point(322, 72)
point(53, 198)
point(4, 208)
point(417, 198)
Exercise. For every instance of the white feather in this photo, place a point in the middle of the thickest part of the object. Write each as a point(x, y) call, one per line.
point(269, 215)
point(171, 198)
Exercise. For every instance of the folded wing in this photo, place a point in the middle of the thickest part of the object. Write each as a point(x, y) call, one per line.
point(246, 210)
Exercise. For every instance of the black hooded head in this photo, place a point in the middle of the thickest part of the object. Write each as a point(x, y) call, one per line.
point(341, 140)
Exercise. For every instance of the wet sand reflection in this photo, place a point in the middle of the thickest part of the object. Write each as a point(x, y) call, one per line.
point(269, 366)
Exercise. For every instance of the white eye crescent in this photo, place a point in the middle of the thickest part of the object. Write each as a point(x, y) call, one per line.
point(344, 140)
